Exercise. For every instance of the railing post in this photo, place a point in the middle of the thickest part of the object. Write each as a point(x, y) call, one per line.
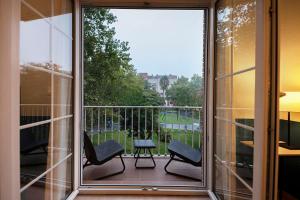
point(119, 125)
point(98, 126)
point(132, 132)
point(192, 128)
point(185, 128)
point(125, 132)
point(105, 124)
point(158, 131)
point(112, 123)
point(139, 114)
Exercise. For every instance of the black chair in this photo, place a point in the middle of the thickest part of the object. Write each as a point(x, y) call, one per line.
point(31, 142)
point(98, 155)
point(185, 154)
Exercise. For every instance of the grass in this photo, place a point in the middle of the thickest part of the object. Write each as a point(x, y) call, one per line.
point(125, 139)
point(171, 118)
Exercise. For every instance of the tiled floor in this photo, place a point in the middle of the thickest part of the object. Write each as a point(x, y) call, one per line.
point(156, 176)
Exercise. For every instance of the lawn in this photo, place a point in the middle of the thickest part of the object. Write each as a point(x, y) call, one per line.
point(126, 140)
point(173, 118)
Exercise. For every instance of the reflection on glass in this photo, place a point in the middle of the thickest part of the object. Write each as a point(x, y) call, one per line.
point(243, 96)
point(34, 152)
point(227, 186)
point(45, 95)
point(224, 38)
point(62, 179)
point(243, 156)
point(35, 95)
point(223, 140)
point(62, 96)
point(62, 139)
point(243, 34)
point(63, 15)
point(235, 99)
point(61, 52)
point(34, 40)
point(40, 190)
point(41, 6)
point(223, 98)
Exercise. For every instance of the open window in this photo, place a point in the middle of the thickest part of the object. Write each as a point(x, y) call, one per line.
point(144, 78)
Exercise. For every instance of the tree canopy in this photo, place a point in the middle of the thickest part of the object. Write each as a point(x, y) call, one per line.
point(109, 78)
point(185, 92)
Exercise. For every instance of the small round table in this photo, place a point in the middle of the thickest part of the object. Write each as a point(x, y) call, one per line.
point(147, 145)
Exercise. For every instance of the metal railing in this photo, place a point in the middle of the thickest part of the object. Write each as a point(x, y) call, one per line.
point(162, 124)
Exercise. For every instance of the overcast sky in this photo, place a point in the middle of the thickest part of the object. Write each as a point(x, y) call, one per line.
point(163, 41)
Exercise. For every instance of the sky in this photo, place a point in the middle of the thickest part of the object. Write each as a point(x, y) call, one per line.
point(163, 41)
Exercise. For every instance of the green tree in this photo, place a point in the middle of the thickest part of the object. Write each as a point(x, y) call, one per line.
point(164, 84)
point(185, 92)
point(109, 78)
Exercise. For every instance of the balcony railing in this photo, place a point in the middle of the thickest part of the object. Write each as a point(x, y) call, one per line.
point(162, 124)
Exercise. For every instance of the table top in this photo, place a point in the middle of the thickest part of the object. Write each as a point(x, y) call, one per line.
point(281, 150)
point(144, 144)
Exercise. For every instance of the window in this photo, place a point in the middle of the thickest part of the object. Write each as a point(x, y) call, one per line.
point(144, 79)
point(234, 98)
point(46, 113)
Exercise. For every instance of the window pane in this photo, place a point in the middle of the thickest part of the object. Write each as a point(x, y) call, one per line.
point(62, 96)
point(224, 38)
point(34, 39)
point(63, 16)
point(223, 98)
point(243, 32)
point(62, 52)
point(243, 98)
point(236, 92)
point(243, 155)
point(62, 139)
point(227, 186)
point(41, 6)
point(62, 179)
point(40, 190)
point(34, 153)
point(35, 106)
point(223, 140)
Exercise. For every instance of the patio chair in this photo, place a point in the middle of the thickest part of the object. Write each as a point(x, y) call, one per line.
point(185, 154)
point(31, 143)
point(98, 155)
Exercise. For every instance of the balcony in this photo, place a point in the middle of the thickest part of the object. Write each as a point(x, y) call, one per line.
point(161, 124)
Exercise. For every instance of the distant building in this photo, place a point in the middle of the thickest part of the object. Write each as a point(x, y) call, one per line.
point(153, 81)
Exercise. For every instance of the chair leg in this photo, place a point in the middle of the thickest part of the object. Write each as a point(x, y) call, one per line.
point(175, 174)
point(85, 164)
point(116, 173)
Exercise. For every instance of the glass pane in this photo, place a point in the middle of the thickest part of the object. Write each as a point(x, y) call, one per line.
point(243, 97)
point(223, 140)
point(41, 6)
point(34, 153)
point(62, 180)
point(62, 52)
point(62, 96)
point(243, 153)
point(34, 39)
point(62, 139)
point(243, 32)
point(35, 106)
point(224, 38)
point(227, 186)
point(63, 15)
point(223, 98)
point(40, 190)
point(233, 144)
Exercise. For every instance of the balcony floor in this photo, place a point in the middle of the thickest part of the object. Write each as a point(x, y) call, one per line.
point(131, 175)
